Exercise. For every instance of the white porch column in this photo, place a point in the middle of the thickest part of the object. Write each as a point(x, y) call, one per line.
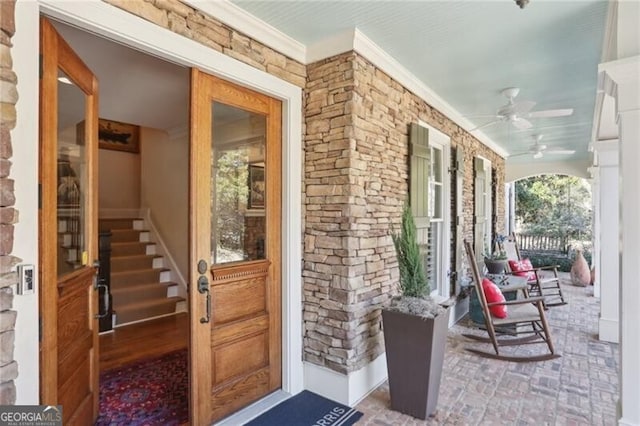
point(624, 75)
point(609, 273)
point(595, 253)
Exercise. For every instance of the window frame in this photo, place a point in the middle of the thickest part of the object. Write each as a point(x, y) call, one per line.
point(442, 142)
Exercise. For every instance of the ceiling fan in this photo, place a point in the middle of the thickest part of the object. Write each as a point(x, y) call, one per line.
point(538, 150)
point(517, 113)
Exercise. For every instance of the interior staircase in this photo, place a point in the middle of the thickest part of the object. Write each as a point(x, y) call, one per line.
point(141, 285)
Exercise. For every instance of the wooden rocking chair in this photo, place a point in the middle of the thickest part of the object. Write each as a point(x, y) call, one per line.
point(526, 315)
point(543, 280)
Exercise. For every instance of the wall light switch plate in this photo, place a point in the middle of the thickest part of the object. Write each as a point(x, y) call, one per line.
point(26, 280)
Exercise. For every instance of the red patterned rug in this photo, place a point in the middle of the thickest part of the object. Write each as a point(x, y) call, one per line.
point(149, 392)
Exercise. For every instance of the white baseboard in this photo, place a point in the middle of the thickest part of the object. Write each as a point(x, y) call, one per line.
point(161, 250)
point(608, 330)
point(345, 389)
point(625, 422)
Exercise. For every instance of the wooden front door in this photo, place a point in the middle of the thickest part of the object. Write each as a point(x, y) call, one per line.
point(68, 231)
point(235, 295)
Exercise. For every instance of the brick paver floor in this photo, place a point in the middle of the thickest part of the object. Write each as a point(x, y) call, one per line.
point(579, 388)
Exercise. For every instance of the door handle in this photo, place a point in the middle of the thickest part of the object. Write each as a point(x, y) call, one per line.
point(107, 299)
point(203, 287)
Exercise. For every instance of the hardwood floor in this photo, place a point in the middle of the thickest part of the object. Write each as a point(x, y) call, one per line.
point(143, 340)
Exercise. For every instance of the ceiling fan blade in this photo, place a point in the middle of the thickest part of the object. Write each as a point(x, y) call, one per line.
point(520, 154)
point(485, 125)
point(561, 151)
point(523, 107)
point(548, 113)
point(482, 116)
point(521, 124)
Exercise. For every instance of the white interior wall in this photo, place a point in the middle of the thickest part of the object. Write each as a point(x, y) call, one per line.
point(119, 179)
point(164, 189)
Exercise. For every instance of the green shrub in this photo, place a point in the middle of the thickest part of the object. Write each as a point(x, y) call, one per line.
point(565, 262)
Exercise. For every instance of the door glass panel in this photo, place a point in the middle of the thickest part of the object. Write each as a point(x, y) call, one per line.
point(238, 193)
point(72, 175)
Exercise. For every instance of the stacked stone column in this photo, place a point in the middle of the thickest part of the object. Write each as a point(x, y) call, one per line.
point(355, 171)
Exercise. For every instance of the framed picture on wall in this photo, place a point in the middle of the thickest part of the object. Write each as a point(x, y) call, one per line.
point(118, 136)
point(256, 186)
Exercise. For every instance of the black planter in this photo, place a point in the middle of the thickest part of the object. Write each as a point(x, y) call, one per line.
point(415, 353)
point(495, 266)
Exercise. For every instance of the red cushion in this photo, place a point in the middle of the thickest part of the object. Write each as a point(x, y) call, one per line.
point(493, 294)
point(522, 268)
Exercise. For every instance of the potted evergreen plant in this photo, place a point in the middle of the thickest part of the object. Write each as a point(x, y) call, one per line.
point(415, 330)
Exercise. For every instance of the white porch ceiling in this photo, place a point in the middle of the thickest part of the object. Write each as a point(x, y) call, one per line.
point(464, 51)
point(467, 52)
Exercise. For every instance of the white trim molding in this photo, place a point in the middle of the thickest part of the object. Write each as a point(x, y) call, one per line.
point(176, 274)
point(243, 21)
point(331, 46)
point(623, 77)
point(346, 41)
point(25, 174)
point(517, 171)
point(381, 59)
point(348, 389)
point(115, 24)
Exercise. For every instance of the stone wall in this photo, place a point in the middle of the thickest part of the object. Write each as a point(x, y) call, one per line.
point(193, 24)
point(355, 179)
point(356, 156)
point(8, 215)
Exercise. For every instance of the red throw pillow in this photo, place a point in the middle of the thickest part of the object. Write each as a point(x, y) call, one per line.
point(493, 294)
point(522, 268)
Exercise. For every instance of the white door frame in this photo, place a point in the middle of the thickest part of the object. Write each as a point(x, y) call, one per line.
point(118, 25)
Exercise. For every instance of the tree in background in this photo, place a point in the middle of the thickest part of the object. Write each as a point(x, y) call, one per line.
point(232, 191)
point(554, 205)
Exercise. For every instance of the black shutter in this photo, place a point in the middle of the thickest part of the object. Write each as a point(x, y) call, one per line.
point(480, 212)
point(459, 220)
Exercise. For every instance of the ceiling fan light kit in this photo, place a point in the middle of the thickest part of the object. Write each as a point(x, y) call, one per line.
point(522, 3)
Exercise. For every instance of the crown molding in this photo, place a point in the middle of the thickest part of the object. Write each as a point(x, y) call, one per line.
point(246, 23)
point(178, 132)
point(331, 46)
point(609, 47)
point(352, 39)
point(622, 73)
point(381, 59)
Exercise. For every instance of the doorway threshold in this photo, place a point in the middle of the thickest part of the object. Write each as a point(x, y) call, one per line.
point(254, 410)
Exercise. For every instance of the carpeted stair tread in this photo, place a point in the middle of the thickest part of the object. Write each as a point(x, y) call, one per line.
point(109, 224)
point(146, 309)
point(138, 286)
point(129, 248)
point(123, 296)
point(139, 276)
point(126, 235)
point(133, 262)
